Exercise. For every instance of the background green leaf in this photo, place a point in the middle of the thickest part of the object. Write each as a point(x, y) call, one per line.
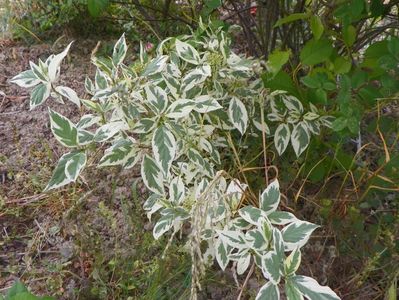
point(96, 7)
point(316, 51)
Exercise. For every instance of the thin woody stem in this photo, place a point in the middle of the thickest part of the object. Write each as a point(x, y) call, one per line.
point(246, 281)
point(264, 142)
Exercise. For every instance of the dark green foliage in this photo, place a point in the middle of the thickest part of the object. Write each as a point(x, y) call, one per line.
point(38, 21)
point(33, 19)
point(19, 292)
point(96, 7)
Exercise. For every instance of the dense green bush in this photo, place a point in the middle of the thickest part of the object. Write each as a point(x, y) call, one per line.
point(35, 18)
point(19, 292)
point(156, 18)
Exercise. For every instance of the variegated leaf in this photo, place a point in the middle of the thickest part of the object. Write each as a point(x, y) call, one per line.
point(243, 263)
point(87, 121)
point(176, 190)
point(238, 63)
point(39, 94)
point(120, 49)
point(282, 138)
point(221, 253)
point(118, 154)
point(269, 291)
point(74, 165)
point(92, 105)
point(26, 79)
point(293, 117)
point(195, 77)
point(145, 125)
point(266, 228)
point(271, 267)
point(261, 127)
point(68, 93)
point(152, 205)
point(63, 129)
point(108, 130)
point(292, 262)
point(85, 137)
point(300, 138)
point(201, 188)
point(152, 175)
point(187, 52)
point(312, 290)
point(196, 158)
point(158, 100)
point(100, 79)
point(278, 243)
point(89, 86)
point(40, 71)
point(292, 291)
point(297, 234)
point(235, 239)
point(163, 225)
point(281, 217)
point(180, 108)
point(151, 201)
point(327, 121)
point(275, 117)
point(173, 70)
point(205, 145)
point(238, 115)
point(172, 84)
point(103, 94)
point(67, 170)
point(189, 171)
point(251, 214)
point(164, 148)
point(310, 116)
point(156, 65)
point(313, 126)
point(55, 62)
point(133, 160)
point(292, 103)
point(207, 234)
point(206, 104)
point(234, 193)
point(270, 198)
point(256, 240)
point(240, 224)
point(178, 213)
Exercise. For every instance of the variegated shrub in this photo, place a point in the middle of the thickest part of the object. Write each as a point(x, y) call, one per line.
point(170, 113)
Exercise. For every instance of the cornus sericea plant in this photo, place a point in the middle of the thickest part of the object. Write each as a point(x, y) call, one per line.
point(295, 123)
point(172, 114)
